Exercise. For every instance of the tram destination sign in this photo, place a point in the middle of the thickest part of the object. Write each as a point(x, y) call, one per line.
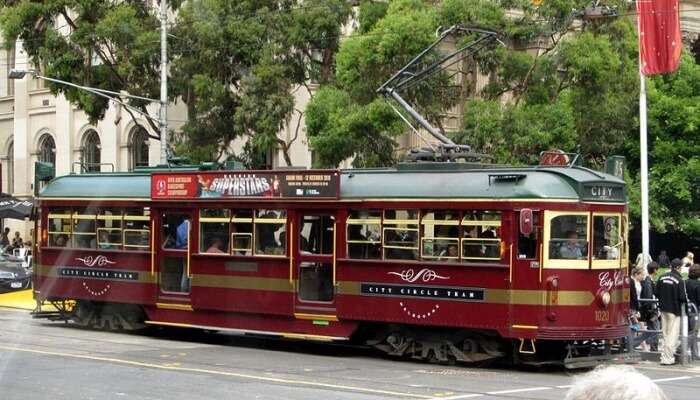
point(315, 184)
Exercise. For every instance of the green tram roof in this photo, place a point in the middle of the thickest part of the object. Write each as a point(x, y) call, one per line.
point(405, 182)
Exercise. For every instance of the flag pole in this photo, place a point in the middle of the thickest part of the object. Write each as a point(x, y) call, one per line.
point(643, 160)
point(644, 166)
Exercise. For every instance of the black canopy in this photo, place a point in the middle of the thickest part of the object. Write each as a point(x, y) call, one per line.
point(11, 207)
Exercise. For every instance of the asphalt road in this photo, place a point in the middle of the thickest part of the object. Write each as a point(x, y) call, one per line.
point(50, 360)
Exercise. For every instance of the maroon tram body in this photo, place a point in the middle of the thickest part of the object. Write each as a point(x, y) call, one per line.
point(434, 262)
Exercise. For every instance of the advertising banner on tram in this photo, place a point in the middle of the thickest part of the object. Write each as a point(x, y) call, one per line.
point(246, 184)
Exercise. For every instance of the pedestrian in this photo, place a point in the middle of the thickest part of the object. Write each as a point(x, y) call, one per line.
point(636, 308)
point(664, 261)
point(614, 382)
point(5, 238)
point(650, 309)
point(670, 291)
point(17, 241)
point(692, 288)
point(688, 260)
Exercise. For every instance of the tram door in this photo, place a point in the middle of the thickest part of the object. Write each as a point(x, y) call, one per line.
point(314, 262)
point(174, 251)
point(527, 250)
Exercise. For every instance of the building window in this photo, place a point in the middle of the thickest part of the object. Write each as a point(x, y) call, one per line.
point(138, 148)
point(47, 149)
point(11, 168)
point(91, 152)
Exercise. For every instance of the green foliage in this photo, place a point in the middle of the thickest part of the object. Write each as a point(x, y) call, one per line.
point(233, 63)
point(371, 12)
point(340, 129)
point(111, 45)
point(673, 106)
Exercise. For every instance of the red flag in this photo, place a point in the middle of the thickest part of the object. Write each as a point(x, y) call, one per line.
point(659, 36)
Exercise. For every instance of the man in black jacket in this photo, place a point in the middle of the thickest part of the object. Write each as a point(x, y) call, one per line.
point(692, 287)
point(670, 290)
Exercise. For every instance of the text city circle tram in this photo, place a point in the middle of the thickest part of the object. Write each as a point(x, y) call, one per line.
point(436, 261)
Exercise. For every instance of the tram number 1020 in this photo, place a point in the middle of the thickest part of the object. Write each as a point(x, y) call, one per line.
point(602, 315)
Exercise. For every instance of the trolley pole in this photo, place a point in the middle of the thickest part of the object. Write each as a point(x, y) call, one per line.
point(163, 115)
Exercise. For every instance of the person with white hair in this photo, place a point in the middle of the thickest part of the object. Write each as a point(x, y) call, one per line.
point(614, 382)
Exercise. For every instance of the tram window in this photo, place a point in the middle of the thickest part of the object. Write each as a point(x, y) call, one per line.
point(213, 230)
point(316, 281)
point(440, 239)
point(316, 234)
point(527, 244)
point(607, 238)
point(400, 234)
point(481, 241)
point(270, 232)
point(364, 234)
point(242, 232)
point(84, 228)
point(569, 237)
point(176, 230)
point(59, 227)
point(137, 229)
point(109, 229)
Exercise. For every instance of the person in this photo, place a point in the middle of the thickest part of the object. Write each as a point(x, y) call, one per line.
point(664, 261)
point(637, 276)
point(216, 246)
point(570, 249)
point(61, 241)
point(688, 260)
point(5, 238)
point(17, 241)
point(103, 240)
point(619, 382)
point(692, 288)
point(649, 309)
point(670, 291)
point(182, 234)
point(452, 254)
point(637, 313)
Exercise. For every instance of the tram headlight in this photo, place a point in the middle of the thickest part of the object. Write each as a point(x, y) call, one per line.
point(605, 298)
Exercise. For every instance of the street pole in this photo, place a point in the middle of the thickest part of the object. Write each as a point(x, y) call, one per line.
point(163, 115)
point(644, 166)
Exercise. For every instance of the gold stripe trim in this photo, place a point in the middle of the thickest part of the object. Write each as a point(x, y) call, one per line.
point(316, 317)
point(524, 326)
point(179, 325)
point(302, 336)
point(170, 306)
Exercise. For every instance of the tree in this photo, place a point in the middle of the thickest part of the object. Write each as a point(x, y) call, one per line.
point(236, 64)
point(674, 131)
point(233, 63)
point(100, 43)
point(346, 114)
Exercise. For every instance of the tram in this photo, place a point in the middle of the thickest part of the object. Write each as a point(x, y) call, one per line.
point(436, 261)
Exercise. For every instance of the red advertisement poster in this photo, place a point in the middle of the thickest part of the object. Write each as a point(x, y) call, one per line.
point(246, 184)
point(659, 36)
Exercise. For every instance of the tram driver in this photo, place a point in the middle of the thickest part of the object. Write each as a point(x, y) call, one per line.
point(571, 249)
